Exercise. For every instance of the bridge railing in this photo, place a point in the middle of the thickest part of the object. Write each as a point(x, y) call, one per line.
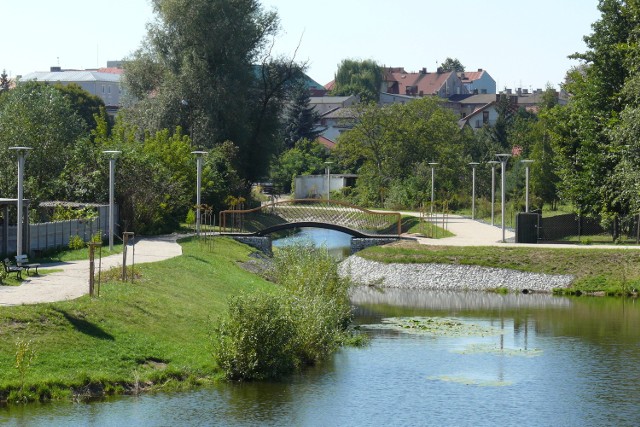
point(318, 211)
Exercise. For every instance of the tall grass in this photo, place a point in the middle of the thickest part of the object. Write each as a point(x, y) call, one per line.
point(265, 336)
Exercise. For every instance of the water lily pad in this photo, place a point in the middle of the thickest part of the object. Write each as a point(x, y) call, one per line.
point(492, 349)
point(478, 382)
point(434, 326)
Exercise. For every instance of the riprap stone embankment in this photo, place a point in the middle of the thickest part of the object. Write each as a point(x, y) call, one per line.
point(448, 276)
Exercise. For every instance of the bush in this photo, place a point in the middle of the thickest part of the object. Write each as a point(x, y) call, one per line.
point(76, 242)
point(266, 336)
point(255, 340)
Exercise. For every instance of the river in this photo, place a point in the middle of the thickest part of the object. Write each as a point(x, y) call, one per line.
point(527, 360)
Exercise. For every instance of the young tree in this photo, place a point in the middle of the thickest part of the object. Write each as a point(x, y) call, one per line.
point(4, 82)
point(361, 78)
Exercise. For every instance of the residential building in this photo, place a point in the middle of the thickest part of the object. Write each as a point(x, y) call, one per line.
point(444, 84)
point(478, 82)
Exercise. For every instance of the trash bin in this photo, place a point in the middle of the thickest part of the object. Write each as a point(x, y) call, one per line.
point(527, 227)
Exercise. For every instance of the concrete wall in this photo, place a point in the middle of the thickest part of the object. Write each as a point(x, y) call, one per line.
point(315, 186)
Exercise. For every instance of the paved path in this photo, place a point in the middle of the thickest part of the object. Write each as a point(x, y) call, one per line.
point(469, 232)
point(73, 281)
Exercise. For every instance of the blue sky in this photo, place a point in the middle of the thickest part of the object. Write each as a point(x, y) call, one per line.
point(521, 43)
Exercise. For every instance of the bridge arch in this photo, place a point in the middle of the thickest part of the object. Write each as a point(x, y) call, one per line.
point(291, 225)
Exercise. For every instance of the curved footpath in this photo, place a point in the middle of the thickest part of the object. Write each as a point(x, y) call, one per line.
point(73, 281)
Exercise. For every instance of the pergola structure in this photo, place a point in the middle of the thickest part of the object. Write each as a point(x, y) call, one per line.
point(5, 204)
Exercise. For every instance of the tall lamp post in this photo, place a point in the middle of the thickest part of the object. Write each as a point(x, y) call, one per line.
point(433, 179)
point(22, 154)
point(328, 178)
point(527, 163)
point(473, 189)
point(199, 155)
point(493, 164)
point(503, 158)
point(113, 154)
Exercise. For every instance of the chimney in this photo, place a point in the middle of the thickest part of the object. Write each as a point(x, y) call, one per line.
point(56, 69)
point(440, 70)
point(424, 70)
point(479, 70)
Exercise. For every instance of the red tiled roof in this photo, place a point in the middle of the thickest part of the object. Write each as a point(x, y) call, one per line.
point(326, 142)
point(330, 85)
point(470, 76)
point(424, 83)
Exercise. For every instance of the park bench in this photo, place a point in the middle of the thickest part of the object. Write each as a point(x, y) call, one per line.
point(23, 261)
point(12, 268)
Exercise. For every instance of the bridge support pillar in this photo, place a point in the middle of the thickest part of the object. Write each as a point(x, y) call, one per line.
point(262, 243)
point(360, 243)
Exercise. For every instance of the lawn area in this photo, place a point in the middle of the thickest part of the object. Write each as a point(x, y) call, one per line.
point(611, 271)
point(141, 335)
point(413, 225)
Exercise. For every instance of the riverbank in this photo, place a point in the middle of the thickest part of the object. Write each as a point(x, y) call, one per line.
point(152, 334)
point(448, 277)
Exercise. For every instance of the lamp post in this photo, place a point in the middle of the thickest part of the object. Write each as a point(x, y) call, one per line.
point(328, 178)
point(433, 179)
point(527, 163)
point(493, 164)
point(22, 154)
point(503, 160)
point(199, 155)
point(473, 189)
point(112, 178)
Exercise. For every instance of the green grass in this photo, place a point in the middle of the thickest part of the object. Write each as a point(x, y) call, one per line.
point(153, 333)
point(64, 255)
point(613, 272)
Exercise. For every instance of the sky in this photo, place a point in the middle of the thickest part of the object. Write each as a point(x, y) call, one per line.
point(520, 43)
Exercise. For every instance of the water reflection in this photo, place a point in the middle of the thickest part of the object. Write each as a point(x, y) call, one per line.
point(337, 243)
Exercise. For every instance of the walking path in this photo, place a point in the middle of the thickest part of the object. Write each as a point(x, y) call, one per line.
point(73, 281)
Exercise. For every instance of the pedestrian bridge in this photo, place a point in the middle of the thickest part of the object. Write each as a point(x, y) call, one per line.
point(360, 223)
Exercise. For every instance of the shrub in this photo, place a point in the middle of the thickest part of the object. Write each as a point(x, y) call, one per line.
point(254, 341)
point(76, 242)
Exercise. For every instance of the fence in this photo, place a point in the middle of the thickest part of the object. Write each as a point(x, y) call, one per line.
point(57, 234)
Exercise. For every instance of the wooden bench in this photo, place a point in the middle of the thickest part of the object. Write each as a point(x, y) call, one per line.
point(12, 268)
point(23, 261)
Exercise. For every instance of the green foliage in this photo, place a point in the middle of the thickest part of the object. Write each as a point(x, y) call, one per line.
point(361, 78)
point(25, 354)
point(4, 82)
point(191, 217)
point(301, 118)
point(63, 213)
point(266, 336)
point(254, 341)
point(76, 242)
point(452, 64)
point(390, 148)
point(41, 117)
point(305, 158)
point(84, 104)
point(206, 81)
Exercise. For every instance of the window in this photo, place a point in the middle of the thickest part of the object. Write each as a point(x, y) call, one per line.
point(485, 117)
point(478, 123)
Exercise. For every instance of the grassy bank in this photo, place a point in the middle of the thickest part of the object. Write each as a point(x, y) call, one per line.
point(153, 333)
point(613, 272)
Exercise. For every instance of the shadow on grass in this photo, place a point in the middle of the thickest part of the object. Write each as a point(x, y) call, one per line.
point(85, 327)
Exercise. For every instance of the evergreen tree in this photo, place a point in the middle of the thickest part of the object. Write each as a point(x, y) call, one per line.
point(4, 81)
point(302, 119)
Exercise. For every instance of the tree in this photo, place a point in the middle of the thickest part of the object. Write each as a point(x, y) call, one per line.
point(307, 157)
point(390, 145)
point(208, 81)
point(83, 102)
point(301, 118)
point(452, 64)
point(4, 82)
point(41, 117)
point(360, 78)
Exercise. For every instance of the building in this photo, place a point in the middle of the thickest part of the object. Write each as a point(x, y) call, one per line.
point(397, 81)
point(478, 82)
point(104, 83)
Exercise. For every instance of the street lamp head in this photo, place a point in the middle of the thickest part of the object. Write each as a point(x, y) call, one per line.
point(200, 153)
point(21, 150)
point(433, 163)
point(493, 162)
point(112, 153)
point(504, 157)
point(473, 164)
point(526, 161)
